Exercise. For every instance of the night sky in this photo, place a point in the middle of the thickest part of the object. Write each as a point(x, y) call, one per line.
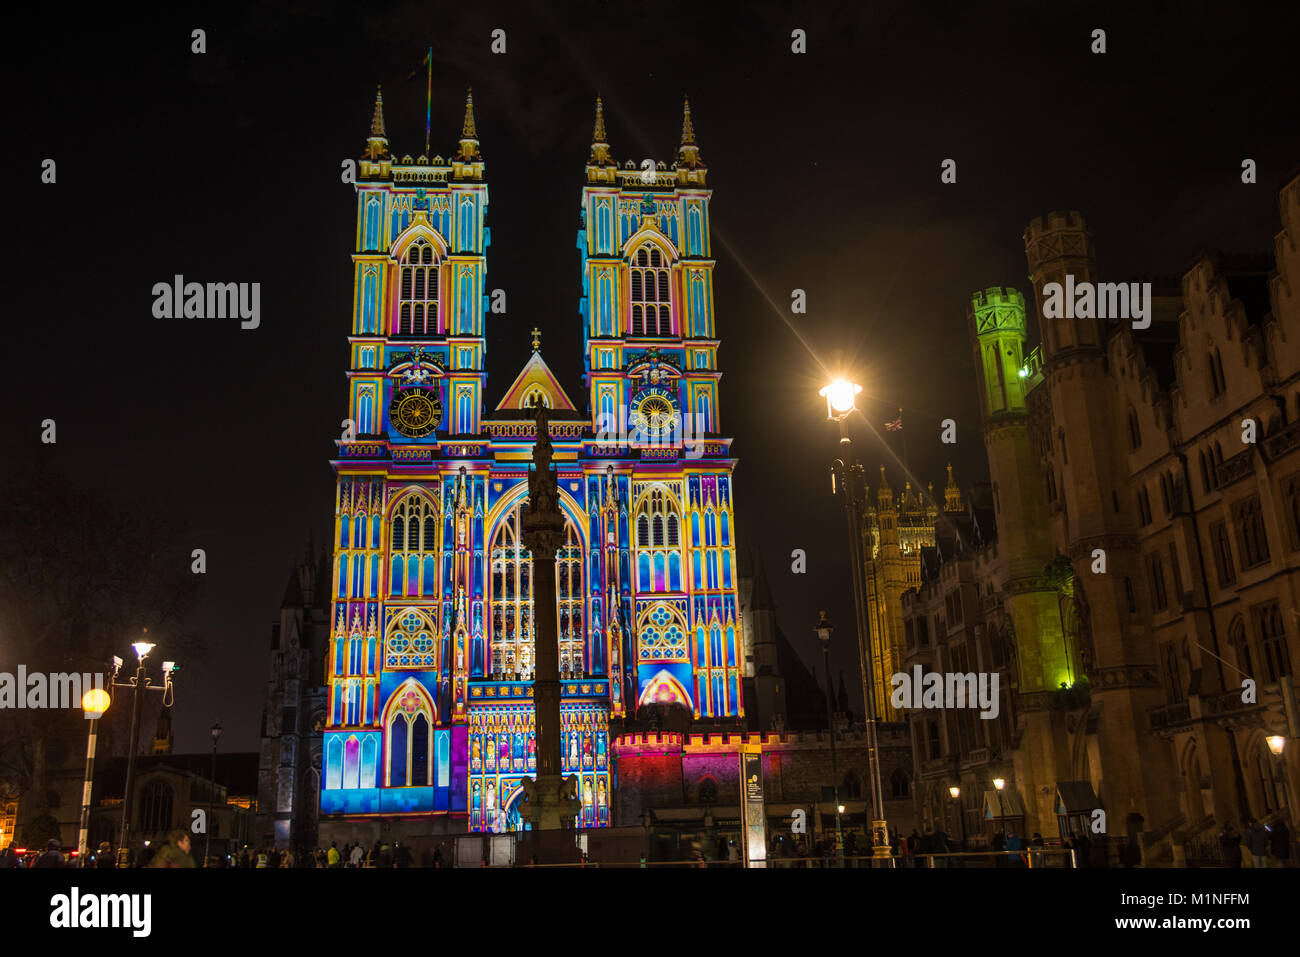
point(224, 167)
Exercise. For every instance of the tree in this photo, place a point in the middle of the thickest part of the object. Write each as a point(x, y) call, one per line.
point(80, 576)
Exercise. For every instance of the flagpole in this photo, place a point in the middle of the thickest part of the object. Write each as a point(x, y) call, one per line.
point(428, 103)
point(906, 473)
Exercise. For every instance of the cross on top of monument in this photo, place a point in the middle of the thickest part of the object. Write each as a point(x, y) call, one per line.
point(537, 339)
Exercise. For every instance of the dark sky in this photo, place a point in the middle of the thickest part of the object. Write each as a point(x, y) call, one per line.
point(825, 166)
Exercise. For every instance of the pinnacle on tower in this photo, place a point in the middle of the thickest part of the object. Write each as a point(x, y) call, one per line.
point(688, 154)
point(469, 132)
point(884, 494)
point(952, 494)
point(599, 140)
point(377, 143)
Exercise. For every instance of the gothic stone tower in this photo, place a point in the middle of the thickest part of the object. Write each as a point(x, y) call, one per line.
point(893, 531)
point(996, 318)
point(1117, 643)
point(652, 364)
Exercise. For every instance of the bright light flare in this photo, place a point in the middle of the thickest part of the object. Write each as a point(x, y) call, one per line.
point(95, 702)
point(840, 397)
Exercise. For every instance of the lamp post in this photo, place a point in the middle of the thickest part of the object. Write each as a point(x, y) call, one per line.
point(1277, 744)
point(840, 403)
point(207, 831)
point(1000, 783)
point(137, 683)
point(955, 791)
point(94, 702)
point(824, 634)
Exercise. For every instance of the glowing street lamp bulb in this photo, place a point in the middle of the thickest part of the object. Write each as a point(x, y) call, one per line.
point(954, 791)
point(999, 783)
point(839, 395)
point(95, 702)
point(143, 648)
point(1276, 743)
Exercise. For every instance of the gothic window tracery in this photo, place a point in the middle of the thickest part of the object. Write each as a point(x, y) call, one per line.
point(650, 293)
point(662, 635)
point(417, 293)
point(413, 546)
point(410, 738)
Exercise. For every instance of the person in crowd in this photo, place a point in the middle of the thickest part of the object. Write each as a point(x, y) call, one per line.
point(175, 853)
point(1230, 845)
point(1256, 839)
point(1279, 843)
point(53, 856)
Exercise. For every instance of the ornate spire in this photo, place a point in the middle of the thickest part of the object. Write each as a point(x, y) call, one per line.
point(377, 143)
point(469, 132)
point(952, 494)
point(537, 339)
point(599, 141)
point(688, 154)
point(598, 134)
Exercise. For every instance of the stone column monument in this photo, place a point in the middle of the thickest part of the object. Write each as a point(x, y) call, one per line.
point(552, 800)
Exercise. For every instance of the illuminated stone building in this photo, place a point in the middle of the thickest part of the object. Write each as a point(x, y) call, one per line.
point(428, 716)
point(1146, 489)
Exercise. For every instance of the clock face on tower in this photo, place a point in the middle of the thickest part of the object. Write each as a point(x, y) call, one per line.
point(654, 412)
point(415, 412)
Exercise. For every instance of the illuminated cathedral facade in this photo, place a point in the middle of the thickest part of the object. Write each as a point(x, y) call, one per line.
point(429, 671)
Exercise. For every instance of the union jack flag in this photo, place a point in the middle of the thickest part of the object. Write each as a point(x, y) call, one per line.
point(895, 426)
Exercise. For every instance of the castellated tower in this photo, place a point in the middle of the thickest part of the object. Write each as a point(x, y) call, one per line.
point(997, 321)
point(1076, 403)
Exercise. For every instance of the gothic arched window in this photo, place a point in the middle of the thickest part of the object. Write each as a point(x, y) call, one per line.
point(414, 547)
point(650, 293)
point(1217, 382)
point(410, 738)
point(900, 786)
point(512, 599)
point(156, 808)
point(417, 292)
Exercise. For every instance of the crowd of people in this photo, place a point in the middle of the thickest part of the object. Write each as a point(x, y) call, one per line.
point(178, 851)
point(1262, 841)
point(1265, 843)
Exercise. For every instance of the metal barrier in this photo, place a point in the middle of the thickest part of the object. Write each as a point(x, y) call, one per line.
point(1057, 857)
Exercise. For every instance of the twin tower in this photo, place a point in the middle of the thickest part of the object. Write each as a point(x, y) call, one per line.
point(431, 665)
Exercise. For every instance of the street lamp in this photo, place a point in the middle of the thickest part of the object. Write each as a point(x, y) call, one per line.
point(207, 831)
point(137, 683)
point(999, 783)
point(840, 403)
point(94, 703)
point(1277, 744)
point(824, 634)
point(955, 791)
